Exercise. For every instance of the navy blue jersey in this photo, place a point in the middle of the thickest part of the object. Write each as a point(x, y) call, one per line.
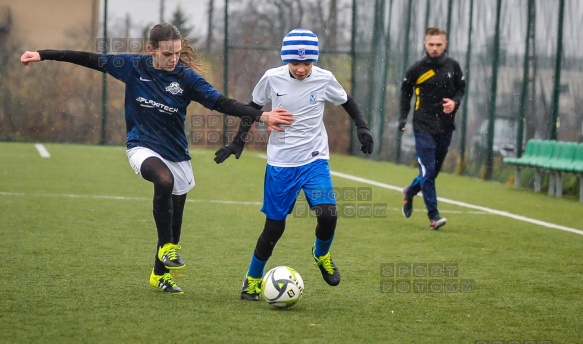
point(156, 102)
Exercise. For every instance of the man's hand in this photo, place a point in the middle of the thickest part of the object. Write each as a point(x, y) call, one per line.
point(225, 152)
point(29, 56)
point(402, 125)
point(448, 105)
point(276, 118)
point(365, 138)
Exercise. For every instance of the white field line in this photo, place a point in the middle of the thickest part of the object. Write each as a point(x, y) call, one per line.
point(42, 150)
point(345, 176)
point(461, 204)
point(123, 198)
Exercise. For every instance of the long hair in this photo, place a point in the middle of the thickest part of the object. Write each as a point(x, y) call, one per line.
point(168, 32)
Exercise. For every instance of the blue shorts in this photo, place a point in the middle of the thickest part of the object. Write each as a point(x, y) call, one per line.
point(283, 184)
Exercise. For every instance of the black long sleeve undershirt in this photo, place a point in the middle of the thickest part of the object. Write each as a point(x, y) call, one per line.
point(354, 112)
point(225, 105)
point(349, 106)
point(244, 127)
point(82, 58)
point(235, 108)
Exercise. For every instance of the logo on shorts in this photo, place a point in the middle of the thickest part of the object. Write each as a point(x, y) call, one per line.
point(174, 88)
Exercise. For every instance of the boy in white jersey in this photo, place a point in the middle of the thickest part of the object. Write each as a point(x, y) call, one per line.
point(297, 159)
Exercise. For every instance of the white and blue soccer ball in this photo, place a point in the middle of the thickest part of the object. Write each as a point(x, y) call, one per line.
point(282, 287)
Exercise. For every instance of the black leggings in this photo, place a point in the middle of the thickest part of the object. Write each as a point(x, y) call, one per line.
point(273, 230)
point(167, 208)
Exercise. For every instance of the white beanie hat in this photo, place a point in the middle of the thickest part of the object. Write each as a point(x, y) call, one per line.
point(300, 45)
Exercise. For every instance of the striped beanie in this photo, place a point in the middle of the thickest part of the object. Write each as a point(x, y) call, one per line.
point(300, 45)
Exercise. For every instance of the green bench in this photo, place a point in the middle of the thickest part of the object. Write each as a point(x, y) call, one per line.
point(553, 157)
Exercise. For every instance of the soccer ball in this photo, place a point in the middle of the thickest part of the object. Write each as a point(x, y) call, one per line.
point(282, 287)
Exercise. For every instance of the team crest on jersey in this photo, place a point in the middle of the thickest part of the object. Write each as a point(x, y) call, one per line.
point(174, 88)
point(313, 98)
point(302, 53)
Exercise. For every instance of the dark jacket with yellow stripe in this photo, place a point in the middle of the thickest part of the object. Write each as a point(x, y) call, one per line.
point(432, 79)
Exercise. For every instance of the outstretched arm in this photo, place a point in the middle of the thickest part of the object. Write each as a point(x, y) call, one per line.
point(274, 119)
point(362, 131)
point(82, 58)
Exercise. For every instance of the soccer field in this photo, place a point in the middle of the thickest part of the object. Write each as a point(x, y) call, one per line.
point(78, 241)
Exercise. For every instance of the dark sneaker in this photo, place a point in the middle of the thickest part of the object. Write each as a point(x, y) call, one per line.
point(165, 282)
point(407, 208)
point(437, 222)
point(171, 259)
point(251, 289)
point(329, 271)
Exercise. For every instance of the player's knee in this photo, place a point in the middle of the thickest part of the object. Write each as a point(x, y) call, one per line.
point(165, 179)
point(272, 232)
point(326, 214)
point(155, 170)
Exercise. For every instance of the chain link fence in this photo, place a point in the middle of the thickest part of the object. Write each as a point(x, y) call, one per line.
point(521, 60)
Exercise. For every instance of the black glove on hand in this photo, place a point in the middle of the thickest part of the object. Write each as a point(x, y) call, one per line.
point(225, 152)
point(365, 139)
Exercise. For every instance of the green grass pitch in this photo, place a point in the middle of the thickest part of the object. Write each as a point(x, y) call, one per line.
point(78, 242)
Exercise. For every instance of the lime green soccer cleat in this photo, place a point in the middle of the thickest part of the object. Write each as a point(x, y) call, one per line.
point(329, 271)
point(168, 255)
point(165, 282)
point(251, 289)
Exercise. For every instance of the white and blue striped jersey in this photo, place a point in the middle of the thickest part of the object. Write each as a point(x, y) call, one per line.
point(306, 139)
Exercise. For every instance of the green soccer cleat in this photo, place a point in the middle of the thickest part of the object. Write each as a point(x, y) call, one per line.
point(165, 282)
point(329, 271)
point(168, 255)
point(251, 289)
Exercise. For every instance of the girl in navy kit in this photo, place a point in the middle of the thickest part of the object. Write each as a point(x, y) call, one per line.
point(159, 87)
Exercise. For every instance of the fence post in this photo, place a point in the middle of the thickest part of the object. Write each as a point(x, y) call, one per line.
point(464, 123)
point(226, 66)
point(352, 150)
point(405, 66)
point(557, 83)
point(104, 81)
point(525, 77)
point(493, 90)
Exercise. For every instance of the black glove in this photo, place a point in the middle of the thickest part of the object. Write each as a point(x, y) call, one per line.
point(225, 152)
point(365, 139)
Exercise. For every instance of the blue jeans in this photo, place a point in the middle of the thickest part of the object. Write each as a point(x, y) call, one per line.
point(431, 151)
